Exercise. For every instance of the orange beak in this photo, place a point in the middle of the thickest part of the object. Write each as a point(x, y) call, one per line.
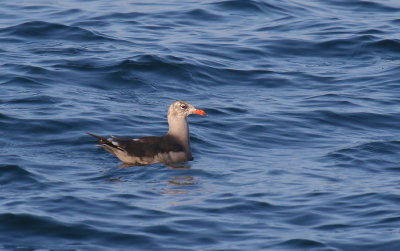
point(200, 112)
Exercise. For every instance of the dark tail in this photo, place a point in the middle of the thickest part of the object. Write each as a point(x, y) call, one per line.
point(101, 140)
point(105, 143)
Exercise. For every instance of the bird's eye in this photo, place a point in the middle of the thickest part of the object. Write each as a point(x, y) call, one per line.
point(184, 106)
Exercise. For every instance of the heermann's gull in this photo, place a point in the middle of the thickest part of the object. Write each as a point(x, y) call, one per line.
point(172, 147)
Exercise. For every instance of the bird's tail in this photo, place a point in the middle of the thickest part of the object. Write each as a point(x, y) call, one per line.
point(106, 143)
point(100, 139)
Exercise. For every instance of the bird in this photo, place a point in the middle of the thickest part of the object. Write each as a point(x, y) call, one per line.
point(172, 147)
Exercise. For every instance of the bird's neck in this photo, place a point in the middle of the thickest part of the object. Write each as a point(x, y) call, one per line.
point(179, 128)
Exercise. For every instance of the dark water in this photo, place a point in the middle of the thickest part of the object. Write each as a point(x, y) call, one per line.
point(300, 150)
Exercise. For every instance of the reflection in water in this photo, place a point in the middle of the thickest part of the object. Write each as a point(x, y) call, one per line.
point(124, 165)
point(177, 183)
point(118, 179)
point(183, 185)
point(178, 166)
point(180, 181)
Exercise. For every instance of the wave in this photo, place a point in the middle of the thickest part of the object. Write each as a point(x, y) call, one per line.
point(302, 244)
point(17, 178)
point(24, 81)
point(248, 7)
point(72, 235)
point(375, 156)
point(364, 6)
point(40, 30)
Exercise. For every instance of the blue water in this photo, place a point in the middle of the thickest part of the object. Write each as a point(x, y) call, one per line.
point(299, 151)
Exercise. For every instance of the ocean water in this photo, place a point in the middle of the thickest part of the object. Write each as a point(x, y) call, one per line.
point(299, 151)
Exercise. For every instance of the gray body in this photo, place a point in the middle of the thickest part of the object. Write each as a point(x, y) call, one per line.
point(172, 147)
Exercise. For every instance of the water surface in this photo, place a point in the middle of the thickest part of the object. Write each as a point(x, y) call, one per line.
point(299, 150)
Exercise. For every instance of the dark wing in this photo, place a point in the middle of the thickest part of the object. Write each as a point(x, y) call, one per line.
point(147, 146)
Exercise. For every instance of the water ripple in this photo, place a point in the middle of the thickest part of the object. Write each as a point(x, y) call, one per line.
point(299, 149)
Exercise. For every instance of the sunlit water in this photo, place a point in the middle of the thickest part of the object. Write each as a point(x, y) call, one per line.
point(299, 151)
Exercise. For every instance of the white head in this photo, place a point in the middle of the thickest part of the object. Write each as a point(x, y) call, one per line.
point(182, 109)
